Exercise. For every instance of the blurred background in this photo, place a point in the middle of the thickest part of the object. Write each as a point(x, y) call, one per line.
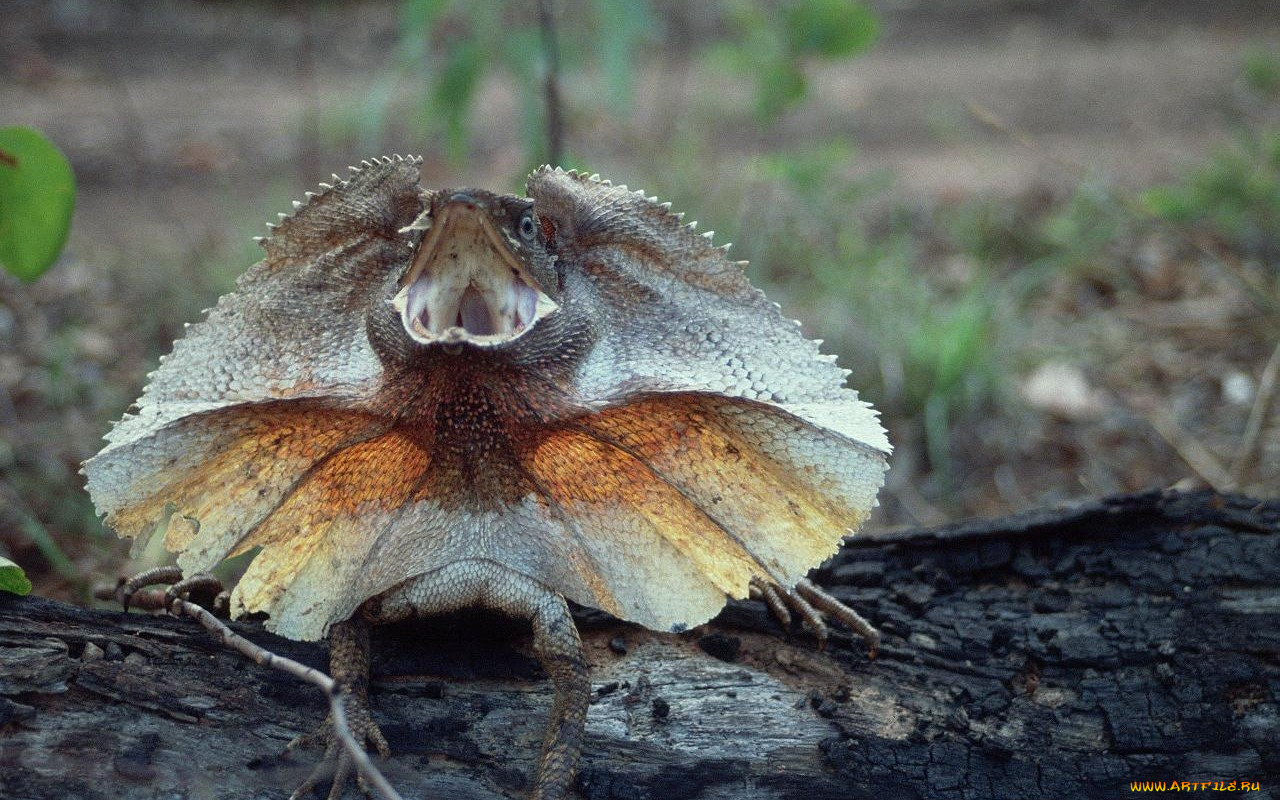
point(1044, 234)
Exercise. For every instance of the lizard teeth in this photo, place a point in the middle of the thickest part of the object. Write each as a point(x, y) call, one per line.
point(436, 307)
point(526, 303)
point(418, 300)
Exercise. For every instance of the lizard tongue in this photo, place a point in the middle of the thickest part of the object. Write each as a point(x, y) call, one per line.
point(477, 303)
point(473, 311)
point(426, 306)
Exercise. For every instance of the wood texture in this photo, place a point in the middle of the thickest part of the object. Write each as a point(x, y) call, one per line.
point(1056, 653)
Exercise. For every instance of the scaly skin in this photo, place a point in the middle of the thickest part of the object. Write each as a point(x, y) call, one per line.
point(422, 400)
point(349, 668)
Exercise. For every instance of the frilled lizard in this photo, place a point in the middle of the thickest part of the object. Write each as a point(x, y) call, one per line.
point(421, 401)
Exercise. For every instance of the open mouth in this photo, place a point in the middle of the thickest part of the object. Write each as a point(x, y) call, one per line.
point(466, 284)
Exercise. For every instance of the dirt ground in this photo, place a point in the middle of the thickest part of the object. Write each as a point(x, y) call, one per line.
point(190, 124)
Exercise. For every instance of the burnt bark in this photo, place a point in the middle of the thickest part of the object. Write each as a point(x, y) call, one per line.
point(1048, 654)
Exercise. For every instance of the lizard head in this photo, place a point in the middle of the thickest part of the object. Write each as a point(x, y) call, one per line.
point(482, 274)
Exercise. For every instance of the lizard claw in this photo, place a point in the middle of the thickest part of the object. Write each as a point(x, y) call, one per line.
point(337, 765)
point(129, 592)
point(812, 603)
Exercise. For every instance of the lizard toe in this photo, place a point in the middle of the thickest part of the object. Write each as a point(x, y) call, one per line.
point(336, 765)
point(129, 592)
point(814, 606)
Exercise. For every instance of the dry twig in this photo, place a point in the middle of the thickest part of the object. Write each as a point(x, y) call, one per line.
point(1251, 440)
point(1191, 450)
point(260, 655)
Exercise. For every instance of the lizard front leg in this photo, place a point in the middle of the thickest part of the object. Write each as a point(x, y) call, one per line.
point(349, 667)
point(811, 603)
point(129, 593)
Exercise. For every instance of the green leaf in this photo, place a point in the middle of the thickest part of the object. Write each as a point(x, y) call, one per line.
point(779, 85)
point(37, 196)
point(807, 170)
point(1165, 202)
point(417, 16)
point(12, 578)
point(1262, 71)
point(831, 28)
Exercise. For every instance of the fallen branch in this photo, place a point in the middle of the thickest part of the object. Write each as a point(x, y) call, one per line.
point(1059, 653)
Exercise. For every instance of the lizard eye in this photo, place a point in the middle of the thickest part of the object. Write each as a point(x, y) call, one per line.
point(528, 228)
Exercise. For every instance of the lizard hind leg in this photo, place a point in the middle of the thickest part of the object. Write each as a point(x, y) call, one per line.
point(556, 645)
point(559, 649)
point(349, 665)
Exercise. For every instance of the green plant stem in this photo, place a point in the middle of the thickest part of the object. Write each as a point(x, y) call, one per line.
point(42, 538)
point(551, 87)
